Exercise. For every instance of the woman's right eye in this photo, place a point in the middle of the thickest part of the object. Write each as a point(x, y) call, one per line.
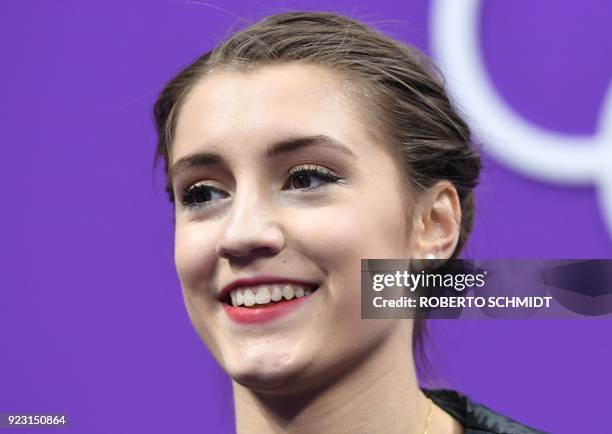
point(201, 196)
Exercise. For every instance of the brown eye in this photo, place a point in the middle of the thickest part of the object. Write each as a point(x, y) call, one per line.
point(301, 180)
point(309, 177)
point(201, 195)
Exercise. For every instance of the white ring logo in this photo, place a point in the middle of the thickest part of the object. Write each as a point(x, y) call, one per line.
point(527, 148)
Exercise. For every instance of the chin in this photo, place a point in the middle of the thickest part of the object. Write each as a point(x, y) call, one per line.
point(268, 377)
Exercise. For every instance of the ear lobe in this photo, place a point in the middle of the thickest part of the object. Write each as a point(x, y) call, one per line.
point(439, 222)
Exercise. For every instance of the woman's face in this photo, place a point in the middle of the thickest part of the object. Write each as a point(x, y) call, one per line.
point(281, 189)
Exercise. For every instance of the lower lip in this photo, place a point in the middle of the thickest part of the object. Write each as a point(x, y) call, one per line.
point(265, 313)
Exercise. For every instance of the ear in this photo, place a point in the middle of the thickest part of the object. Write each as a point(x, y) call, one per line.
point(437, 222)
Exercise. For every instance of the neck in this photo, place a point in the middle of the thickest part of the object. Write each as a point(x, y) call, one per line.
point(378, 394)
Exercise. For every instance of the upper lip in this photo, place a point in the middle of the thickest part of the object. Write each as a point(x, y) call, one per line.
point(260, 280)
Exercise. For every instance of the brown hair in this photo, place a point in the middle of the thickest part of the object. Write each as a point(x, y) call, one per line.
point(408, 104)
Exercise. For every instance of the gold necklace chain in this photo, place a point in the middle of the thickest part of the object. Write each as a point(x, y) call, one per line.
point(429, 415)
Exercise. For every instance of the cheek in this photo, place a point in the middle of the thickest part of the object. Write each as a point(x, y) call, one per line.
point(337, 238)
point(194, 255)
point(341, 235)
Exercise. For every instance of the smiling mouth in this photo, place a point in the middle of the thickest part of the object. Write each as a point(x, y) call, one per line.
point(267, 294)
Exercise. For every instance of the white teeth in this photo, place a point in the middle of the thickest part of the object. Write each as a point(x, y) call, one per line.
point(277, 293)
point(288, 292)
point(265, 294)
point(249, 297)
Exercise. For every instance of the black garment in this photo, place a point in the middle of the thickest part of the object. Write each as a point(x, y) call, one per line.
point(475, 418)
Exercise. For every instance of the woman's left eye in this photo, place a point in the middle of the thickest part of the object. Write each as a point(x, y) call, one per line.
point(309, 177)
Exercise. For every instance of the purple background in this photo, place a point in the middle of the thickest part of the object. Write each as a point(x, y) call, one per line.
point(92, 323)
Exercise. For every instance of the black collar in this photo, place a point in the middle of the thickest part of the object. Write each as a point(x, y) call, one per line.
point(476, 418)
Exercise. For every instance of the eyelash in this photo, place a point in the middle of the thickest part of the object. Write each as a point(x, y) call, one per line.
point(327, 176)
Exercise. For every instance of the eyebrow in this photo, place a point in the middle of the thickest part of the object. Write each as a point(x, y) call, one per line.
point(289, 145)
point(275, 149)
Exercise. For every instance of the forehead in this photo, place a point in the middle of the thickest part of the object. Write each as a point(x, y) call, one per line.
point(230, 108)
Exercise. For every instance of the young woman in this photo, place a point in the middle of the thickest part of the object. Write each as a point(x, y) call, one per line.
point(299, 146)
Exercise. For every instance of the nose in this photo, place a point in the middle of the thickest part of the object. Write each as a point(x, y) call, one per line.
point(251, 228)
